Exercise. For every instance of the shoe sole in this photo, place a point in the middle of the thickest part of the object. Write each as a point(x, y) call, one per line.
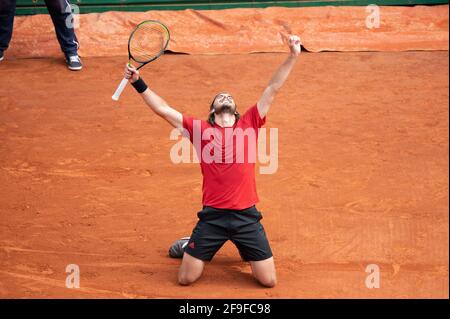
point(1, 58)
point(78, 68)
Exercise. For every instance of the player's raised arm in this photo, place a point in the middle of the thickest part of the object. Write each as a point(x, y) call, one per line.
point(277, 80)
point(155, 102)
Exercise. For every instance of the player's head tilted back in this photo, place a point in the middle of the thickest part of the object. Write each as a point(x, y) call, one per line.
point(229, 191)
point(221, 104)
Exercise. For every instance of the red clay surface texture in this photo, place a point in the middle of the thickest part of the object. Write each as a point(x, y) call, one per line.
point(247, 30)
point(362, 177)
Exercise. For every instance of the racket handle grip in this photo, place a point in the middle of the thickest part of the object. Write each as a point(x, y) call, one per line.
point(120, 89)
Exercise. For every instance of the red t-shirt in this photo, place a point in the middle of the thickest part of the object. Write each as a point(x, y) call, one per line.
point(227, 159)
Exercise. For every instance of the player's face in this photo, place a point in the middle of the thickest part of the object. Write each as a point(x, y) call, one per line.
point(224, 103)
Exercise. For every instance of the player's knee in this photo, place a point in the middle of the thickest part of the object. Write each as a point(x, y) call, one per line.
point(268, 281)
point(183, 281)
point(186, 279)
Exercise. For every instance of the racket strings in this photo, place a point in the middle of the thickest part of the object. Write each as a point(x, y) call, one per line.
point(148, 41)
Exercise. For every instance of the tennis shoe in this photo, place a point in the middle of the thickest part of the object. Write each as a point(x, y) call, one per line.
point(74, 63)
point(177, 248)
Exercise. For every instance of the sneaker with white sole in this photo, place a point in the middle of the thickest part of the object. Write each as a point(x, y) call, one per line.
point(1, 56)
point(74, 63)
point(177, 248)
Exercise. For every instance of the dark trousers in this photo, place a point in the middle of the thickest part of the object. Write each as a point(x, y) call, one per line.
point(59, 12)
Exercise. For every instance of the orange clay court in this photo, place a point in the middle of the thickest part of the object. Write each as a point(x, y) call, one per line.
point(362, 157)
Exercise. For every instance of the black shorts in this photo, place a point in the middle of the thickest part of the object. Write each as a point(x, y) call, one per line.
point(242, 227)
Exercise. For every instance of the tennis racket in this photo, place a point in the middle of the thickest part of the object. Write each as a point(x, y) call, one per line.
point(147, 42)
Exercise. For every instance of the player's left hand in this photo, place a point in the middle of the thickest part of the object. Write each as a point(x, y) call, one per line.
point(295, 45)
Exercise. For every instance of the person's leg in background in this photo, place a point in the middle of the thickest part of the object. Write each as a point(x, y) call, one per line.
point(7, 11)
point(60, 12)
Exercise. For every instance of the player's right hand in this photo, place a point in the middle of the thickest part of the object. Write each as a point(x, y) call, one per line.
point(131, 73)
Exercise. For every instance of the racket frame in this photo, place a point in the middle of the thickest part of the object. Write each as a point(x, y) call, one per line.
point(124, 81)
